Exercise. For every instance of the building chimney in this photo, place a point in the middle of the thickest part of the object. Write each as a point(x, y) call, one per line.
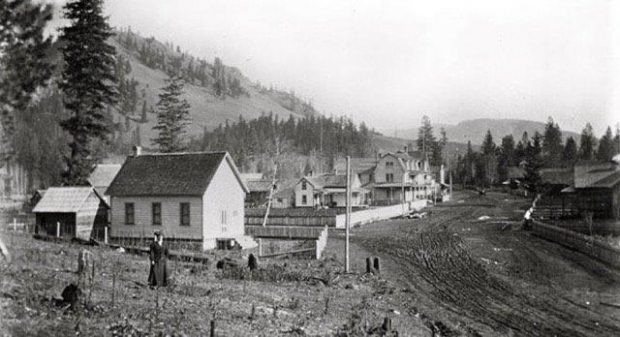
point(137, 150)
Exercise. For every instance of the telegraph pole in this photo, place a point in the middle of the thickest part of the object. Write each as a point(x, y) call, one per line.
point(347, 217)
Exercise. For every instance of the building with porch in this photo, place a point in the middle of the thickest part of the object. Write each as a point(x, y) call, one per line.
point(328, 190)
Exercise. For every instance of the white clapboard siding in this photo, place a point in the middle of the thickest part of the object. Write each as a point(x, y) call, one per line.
point(170, 216)
point(223, 207)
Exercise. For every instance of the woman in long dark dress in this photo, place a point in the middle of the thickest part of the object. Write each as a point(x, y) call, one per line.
point(158, 275)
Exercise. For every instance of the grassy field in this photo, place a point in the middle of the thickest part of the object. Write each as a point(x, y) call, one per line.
point(285, 297)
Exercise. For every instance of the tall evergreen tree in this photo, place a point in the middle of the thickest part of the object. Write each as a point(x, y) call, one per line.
point(488, 146)
point(24, 65)
point(172, 117)
point(87, 83)
point(587, 143)
point(506, 157)
point(552, 143)
point(426, 140)
point(569, 155)
point(606, 146)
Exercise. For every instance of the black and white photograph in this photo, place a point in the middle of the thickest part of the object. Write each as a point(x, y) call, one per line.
point(340, 168)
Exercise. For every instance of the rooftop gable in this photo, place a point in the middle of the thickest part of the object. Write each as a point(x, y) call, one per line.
point(103, 175)
point(178, 174)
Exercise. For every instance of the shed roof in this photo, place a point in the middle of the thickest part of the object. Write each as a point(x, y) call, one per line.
point(589, 174)
point(187, 174)
point(103, 175)
point(63, 199)
point(263, 185)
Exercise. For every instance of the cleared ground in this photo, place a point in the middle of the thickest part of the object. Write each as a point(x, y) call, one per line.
point(488, 277)
point(450, 274)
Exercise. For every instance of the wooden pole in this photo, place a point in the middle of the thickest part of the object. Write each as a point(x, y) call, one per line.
point(57, 229)
point(348, 216)
point(105, 235)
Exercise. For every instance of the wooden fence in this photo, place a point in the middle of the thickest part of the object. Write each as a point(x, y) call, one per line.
point(284, 232)
point(588, 245)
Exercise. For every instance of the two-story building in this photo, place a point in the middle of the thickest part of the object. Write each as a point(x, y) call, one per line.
point(193, 198)
point(402, 176)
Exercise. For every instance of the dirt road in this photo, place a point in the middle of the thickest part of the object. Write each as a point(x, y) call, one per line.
point(489, 277)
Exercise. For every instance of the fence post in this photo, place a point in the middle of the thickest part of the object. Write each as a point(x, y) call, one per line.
point(57, 229)
point(105, 234)
point(14, 224)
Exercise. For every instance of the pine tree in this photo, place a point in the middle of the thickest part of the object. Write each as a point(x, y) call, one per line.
point(488, 146)
point(426, 139)
point(24, 65)
point(172, 117)
point(506, 157)
point(587, 144)
point(87, 83)
point(569, 155)
point(606, 146)
point(552, 143)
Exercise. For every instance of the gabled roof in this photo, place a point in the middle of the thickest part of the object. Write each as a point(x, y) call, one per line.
point(328, 180)
point(176, 174)
point(103, 175)
point(64, 199)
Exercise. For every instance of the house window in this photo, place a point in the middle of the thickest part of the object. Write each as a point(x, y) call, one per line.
point(156, 213)
point(129, 213)
point(184, 214)
point(389, 177)
point(304, 199)
point(304, 186)
point(389, 164)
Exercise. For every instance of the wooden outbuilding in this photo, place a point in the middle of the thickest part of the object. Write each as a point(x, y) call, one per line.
point(71, 212)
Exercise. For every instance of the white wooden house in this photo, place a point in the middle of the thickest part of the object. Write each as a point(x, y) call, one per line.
point(193, 198)
point(328, 190)
point(403, 172)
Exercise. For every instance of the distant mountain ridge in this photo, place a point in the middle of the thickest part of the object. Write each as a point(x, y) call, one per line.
point(474, 130)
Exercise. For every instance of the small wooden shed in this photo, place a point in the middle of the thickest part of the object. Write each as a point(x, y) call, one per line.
point(75, 212)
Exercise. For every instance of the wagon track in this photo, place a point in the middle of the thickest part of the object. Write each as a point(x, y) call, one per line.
point(437, 263)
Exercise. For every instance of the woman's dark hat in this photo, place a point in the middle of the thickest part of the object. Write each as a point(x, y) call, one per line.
point(159, 233)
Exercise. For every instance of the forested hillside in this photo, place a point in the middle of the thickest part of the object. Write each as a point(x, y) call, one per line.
point(216, 93)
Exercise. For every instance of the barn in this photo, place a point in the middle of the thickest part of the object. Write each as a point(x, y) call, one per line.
point(71, 212)
point(196, 199)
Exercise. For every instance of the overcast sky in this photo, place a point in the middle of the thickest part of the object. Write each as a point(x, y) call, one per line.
point(390, 62)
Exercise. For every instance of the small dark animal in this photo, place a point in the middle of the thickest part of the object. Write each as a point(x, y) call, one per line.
point(71, 295)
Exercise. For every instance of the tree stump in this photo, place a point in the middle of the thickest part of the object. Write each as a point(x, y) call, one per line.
point(369, 269)
point(252, 262)
point(85, 261)
point(377, 265)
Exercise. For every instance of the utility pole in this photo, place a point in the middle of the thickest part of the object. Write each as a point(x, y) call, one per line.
point(347, 217)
